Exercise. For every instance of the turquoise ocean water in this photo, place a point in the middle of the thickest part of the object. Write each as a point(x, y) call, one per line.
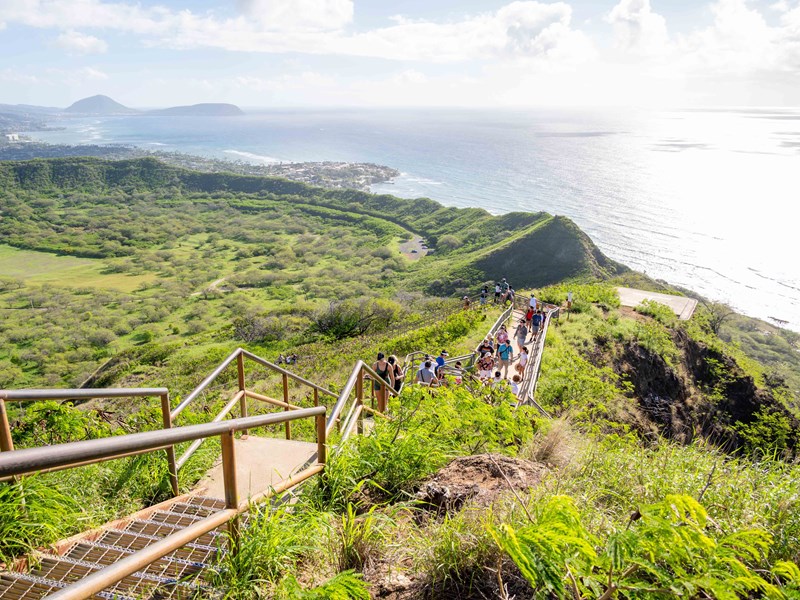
point(703, 199)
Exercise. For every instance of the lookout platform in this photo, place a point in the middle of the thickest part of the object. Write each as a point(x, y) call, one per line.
point(682, 306)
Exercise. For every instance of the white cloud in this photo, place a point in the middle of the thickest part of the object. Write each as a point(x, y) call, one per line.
point(739, 42)
point(637, 29)
point(80, 43)
point(528, 29)
point(322, 15)
point(14, 76)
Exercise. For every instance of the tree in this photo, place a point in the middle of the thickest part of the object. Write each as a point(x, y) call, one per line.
point(716, 313)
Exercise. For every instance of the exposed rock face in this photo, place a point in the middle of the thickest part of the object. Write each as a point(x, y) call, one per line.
point(480, 479)
point(671, 398)
point(662, 393)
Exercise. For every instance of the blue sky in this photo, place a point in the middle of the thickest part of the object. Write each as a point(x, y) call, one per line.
point(491, 53)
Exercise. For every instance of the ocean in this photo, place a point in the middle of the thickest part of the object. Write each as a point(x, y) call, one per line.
point(704, 199)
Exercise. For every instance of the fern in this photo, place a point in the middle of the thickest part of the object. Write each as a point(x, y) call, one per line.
point(553, 544)
point(347, 585)
point(665, 551)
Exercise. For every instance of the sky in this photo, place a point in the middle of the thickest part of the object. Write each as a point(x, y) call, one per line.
point(377, 53)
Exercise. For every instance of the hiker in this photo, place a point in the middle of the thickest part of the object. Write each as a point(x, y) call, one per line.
point(398, 372)
point(536, 323)
point(521, 333)
point(505, 353)
point(529, 317)
point(510, 295)
point(485, 366)
point(281, 359)
point(385, 371)
point(502, 335)
point(426, 375)
point(498, 290)
point(522, 361)
point(515, 382)
point(504, 286)
point(486, 346)
point(484, 294)
point(459, 373)
point(440, 360)
point(532, 303)
point(466, 302)
point(497, 379)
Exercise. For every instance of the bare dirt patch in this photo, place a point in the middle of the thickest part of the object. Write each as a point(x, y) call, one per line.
point(479, 479)
point(414, 249)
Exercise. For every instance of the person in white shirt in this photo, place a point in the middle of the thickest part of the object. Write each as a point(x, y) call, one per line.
point(522, 361)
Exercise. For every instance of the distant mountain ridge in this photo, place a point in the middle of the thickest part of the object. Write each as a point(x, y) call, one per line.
point(99, 105)
point(200, 110)
point(103, 105)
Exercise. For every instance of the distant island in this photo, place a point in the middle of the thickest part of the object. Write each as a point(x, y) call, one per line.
point(199, 110)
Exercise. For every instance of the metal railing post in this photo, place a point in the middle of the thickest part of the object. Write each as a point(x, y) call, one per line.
point(360, 399)
point(316, 397)
point(286, 408)
point(6, 443)
point(321, 449)
point(231, 491)
point(243, 401)
point(167, 421)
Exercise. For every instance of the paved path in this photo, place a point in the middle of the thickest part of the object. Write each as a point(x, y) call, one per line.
point(682, 306)
point(260, 463)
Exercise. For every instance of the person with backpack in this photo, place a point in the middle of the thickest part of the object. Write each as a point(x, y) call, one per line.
point(484, 294)
point(505, 354)
point(426, 375)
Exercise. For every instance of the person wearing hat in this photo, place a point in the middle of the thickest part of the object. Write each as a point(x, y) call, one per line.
point(440, 361)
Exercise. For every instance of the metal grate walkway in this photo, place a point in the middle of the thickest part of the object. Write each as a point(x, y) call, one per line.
point(168, 577)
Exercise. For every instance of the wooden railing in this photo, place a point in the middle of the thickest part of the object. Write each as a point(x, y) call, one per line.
point(72, 454)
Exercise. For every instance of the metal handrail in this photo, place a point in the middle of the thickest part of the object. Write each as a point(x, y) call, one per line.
point(255, 358)
point(31, 460)
point(28, 395)
point(239, 355)
point(80, 394)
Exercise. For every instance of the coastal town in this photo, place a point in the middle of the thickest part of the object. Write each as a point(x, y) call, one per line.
point(328, 174)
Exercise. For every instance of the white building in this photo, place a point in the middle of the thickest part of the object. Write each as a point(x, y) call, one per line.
point(12, 137)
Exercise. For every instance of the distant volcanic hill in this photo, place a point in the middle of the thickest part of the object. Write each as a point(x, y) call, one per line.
point(99, 105)
point(200, 110)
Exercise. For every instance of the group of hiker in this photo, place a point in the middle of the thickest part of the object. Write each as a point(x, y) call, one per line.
point(495, 357)
point(503, 293)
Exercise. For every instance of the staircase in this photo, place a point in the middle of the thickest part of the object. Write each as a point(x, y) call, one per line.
point(168, 569)
point(168, 577)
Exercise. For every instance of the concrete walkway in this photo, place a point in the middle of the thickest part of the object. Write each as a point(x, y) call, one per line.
point(260, 463)
point(682, 306)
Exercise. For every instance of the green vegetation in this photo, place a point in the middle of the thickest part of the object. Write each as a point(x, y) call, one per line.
point(670, 469)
